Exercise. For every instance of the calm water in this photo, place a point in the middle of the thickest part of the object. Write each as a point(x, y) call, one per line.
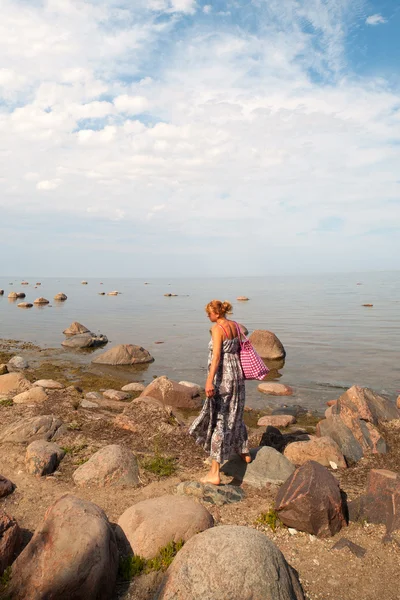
point(331, 341)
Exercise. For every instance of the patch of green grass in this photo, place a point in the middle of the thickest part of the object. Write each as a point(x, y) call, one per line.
point(6, 402)
point(73, 450)
point(132, 566)
point(74, 426)
point(163, 466)
point(269, 519)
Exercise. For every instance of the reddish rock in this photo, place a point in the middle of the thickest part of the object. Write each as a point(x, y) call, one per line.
point(112, 465)
point(276, 420)
point(275, 389)
point(171, 393)
point(75, 329)
point(323, 450)
point(6, 486)
point(334, 428)
point(10, 540)
point(267, 345)
point(328, 412)
point(310, 500)
point(363, 430)
point(331, 402)
point(367, 405)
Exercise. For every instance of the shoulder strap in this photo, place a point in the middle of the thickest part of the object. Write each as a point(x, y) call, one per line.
point(240, 334)
point(222, 327)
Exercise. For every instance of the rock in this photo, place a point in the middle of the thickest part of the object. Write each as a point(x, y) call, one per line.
point(24, 283)
point(334, 428)
point(3, 369)
point(35, 395)
point(124, 354)
point(296, 410)
point(84, 282)
point(171, 393)
point(133, 387)
point(13, 383)
point(60, 297)
point(267, 466)
point(115, 293)
point(276, 421)
point(214, 494)
point(24, 305)
point(310, 500)
point(323, 450)
point(101, 293)
point(94, 396)
point(116, 395)
point(1, 292)
point(274, 438)
point(359, 551)
point(85, 340)
point(150, 415)
point(17, 362)
point(367, 405)
point(194, 386)
point(368, 305)
point(152, 524)
point(110, 466)
point(6, 487)
point(10, 540)
point(242, 298)
point(41, 300)
point(230, 562)
point(275, 389)
point(72, 555)
point(43, 427)
point(48, 384)
point(38, 283)
point(267, 345)
point(43, 458)
point(15, 295)
point(75, 329)
point(88, 404)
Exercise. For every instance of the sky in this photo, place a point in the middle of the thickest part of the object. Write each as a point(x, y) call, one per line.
point(145, 138)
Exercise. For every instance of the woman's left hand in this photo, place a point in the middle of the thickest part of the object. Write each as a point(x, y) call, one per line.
point(210, 390)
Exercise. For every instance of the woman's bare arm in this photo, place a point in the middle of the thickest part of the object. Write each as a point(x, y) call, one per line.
point(217, 338)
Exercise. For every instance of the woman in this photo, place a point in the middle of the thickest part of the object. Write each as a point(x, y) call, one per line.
point(219, 428)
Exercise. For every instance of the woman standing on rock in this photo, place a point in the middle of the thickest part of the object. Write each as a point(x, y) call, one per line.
point(220, 428)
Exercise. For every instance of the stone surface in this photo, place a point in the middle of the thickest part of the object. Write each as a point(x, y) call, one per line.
point(6, 486)
point(43, 427)
point(112, 465)
point(75, 329)
point(323, 450)
point(310, 500)
point(359, 551)
point(152, 524)
point(267, 345)
point(85, 340)
point(72, 555)
point(15, 295)
point(133, 387)
point(214, 494)
point(24, 305)
point(60, 297)
point(367, 405)
point(13, 383)
point(88, 404)
point(171, 393)
point(116, 395)
point(43, 458)
point(10, 540)
point(334, 428)
point(3, 369)
point(276, 421)
point(230, 563)
point(124, 354)
point(18, 362)
point(275, 389)
point(194, 386)
point(242, 298)
point(267, 466)
point(94, 396)
point(48, 384)
point(35, 395)
point(150, 415)
point(41, 300)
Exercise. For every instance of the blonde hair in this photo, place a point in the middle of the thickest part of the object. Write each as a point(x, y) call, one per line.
point(219, 308)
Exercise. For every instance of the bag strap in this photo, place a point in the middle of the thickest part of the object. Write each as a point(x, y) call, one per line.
point(222, 327)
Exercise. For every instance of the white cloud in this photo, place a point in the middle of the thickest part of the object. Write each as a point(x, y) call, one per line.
point(133, 105)
point(376, 19)
point(207, 8)
point(48, 184)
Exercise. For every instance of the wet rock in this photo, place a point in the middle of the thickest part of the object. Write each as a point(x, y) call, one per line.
point(267, 345)
point(133, 387)
point(334, 428)
point(267, 466)
point(171, 393)
point(6, 487)
point(276, 421)
point(15, 295)
point(218, 495)
point(85, 340)
point(323, 450)
point(17, 362)
point(60, 297)
point(73, 554)
point(152, 524)
point(75, 329)
point(112, 465)
point(48, 384)
point(116, 395)
point(310, 500)
point(24, 305)
point(242, 298)
point(230, 562)
point(43, 458)
point(35, 395)
point(13, 383)
point(41, 300)
point(10, 540)
point(275, 389)
point(43, 427)
point(296, 410)
point(124, 354)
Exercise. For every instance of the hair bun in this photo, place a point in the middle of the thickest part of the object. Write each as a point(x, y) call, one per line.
point(226, 307)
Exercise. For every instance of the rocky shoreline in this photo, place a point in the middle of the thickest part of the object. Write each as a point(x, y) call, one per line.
point(71, 437)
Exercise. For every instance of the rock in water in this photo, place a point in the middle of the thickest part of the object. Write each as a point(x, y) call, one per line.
point(267, 466)
point(112, 465)
point(124, 354)
point(73, 555)
point(84, 340)
point(267, 344)
point(276, 421)
point(172, 393)
point(152, 524)
point(275, 389)
point(43, 458)
point(10, 540)
point(310, 500)
point(60, 297)
point(230, 563)
point(41, 300)
point(76, 328)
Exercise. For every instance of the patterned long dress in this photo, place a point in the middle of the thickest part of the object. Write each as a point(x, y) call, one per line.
point(219, 428)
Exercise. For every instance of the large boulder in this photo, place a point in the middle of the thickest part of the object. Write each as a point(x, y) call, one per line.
point(85, 340)
point(124, 354)
point(310, 500)
point(152, 524)
point(112, 465)
point(10, 540)
point(24, 431)
point(75, 329)
point(267, 345)
point(36, 395)
point(334, 428)
point(43, 458)
point(172, 393)
point(13, 383)
point(72, 555)
point(18, 362)
point(230, 562)
point(323, 450)
point(267, 466)
point(367, 405)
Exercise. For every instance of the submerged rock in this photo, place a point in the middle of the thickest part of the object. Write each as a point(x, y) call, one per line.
point(85, 340)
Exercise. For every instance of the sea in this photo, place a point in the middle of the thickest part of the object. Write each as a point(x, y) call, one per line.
point(332, 341)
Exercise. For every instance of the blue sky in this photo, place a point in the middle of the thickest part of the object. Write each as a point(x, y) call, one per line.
point(181, 137)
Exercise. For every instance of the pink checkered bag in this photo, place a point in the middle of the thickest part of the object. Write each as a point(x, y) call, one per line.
point(253, 366)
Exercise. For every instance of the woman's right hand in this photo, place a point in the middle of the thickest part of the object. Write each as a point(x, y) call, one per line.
point(210, 390)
